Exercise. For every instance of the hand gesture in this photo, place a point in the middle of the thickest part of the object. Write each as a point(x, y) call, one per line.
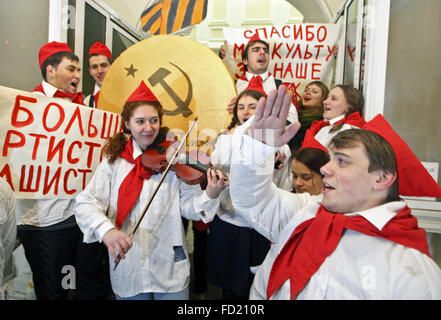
point(230, 106)
point(118, 243)
point(216, 183)
point(279, 160)
point(269, 123)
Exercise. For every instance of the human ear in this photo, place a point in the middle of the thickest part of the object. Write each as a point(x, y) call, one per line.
point(384, 180)
point(126, 128)
point(50, 72)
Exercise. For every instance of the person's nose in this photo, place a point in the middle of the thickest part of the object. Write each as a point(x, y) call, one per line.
point(298, 182)
point(148, 126)
point(77, 75)
point(326, 170)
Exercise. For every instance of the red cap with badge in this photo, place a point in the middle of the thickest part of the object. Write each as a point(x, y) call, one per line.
point(50, 49)
point(100, 48)
point(142, 93)
point(255, 37)
point(310, 142)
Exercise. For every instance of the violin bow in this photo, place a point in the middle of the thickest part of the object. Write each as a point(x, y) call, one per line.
point(167, 169)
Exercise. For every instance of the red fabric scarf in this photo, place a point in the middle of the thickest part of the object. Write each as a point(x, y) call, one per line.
point(74, 97)
point(131, 187)
point(315, 239)
point(353, 119)
point(95, 98)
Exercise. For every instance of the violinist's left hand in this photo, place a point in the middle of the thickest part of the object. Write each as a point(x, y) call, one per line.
point(216, 183)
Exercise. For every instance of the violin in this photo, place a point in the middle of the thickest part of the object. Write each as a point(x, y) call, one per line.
point(155, 158)
point(187, 168)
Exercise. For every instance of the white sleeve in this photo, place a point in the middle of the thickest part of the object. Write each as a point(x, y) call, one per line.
point(92, 203)
point(256, 198)
point(195, 203)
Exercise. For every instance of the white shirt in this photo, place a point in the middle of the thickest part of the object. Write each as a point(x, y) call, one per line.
point(324, 137)
point(269, 84)
point(149, 265)
point(8, 228)
point(361, 267)
point(86, 100)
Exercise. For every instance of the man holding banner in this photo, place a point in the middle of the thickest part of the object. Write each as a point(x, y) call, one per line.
point(52, 241)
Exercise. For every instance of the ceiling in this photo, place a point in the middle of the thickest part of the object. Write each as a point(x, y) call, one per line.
point(314, 11)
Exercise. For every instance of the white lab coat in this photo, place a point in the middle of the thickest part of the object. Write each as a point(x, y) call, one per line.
point(149, 265)
point(361, 267)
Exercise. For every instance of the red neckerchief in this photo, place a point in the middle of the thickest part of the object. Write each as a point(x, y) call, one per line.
point(131, 187)
point(95, 98)
point(315, 239)
point(74, 97)
point(353, 119)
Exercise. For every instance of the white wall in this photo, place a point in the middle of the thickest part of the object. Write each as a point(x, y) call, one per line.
point(23, 30)
point(413, 76)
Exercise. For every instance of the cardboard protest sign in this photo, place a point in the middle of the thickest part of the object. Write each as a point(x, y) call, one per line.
point(299, 53)
point(50, 147)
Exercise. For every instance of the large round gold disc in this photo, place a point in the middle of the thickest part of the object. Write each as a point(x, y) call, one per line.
point(187, 77)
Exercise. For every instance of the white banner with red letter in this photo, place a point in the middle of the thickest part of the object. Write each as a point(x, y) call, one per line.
point(299, 53)
point(50, 147)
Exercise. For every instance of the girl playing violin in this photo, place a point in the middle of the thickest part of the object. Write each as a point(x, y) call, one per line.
point(154, 263)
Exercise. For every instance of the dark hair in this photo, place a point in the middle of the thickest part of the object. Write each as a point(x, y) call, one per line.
point(379, 152)
point(97, 54)
point(313, 158)
point(55, 59)
point(354, 98)
point(247, 48)
point(116, 144)
point(250, 93)
point(323, 87)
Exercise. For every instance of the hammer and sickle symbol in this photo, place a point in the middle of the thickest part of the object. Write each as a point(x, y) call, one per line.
point(181, 106)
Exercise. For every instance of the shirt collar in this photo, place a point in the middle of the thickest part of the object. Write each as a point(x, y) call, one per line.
point(49, 89)
point(334, 120)
point(379, 216)
point(96, 89)
point(137, 151)
point(264, 75)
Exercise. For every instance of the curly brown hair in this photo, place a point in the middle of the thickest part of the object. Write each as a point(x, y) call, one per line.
point(116, 144)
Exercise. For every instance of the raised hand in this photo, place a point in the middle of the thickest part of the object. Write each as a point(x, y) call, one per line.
point(269, 124)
